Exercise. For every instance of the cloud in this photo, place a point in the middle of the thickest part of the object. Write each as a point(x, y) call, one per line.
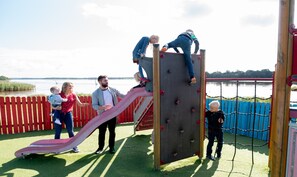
point(194, 9)
point(86, 62)
point(107, 11)
point(258, 20)
point(135, 17)
point(115, 16)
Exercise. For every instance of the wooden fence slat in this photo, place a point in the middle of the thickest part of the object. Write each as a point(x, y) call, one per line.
point(75, 114)
point(83, 115)
point(40, 118)
point(19, 115)
point(9, 117)
point(25, 113)
point(87, 110)
point(3, 116)
point(46, 113)
point(30, 114)
point(34, 111)
point(92, 111)
point(14, 115)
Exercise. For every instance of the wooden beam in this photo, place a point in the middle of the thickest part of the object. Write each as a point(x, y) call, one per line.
point(281, 92)
point(202, 102)
point(156, 95)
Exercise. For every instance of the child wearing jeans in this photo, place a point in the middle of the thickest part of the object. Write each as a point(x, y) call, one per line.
point(184, 41)
point(56, 100)
point(215, 118)
point(140, 50)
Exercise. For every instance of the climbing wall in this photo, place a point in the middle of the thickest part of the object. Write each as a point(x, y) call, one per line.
point(180, 108)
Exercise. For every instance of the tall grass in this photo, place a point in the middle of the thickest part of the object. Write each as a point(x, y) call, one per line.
point(15, 86)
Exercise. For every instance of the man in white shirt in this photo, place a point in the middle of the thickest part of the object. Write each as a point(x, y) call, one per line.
point(103, 99)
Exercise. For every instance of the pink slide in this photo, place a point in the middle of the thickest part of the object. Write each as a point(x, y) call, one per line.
point(60, 145)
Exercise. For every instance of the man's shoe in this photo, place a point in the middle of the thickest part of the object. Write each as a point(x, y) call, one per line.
point(210, 157)
point(112, 150)
point(218, 156)
point(75, 150)
point(98, 151)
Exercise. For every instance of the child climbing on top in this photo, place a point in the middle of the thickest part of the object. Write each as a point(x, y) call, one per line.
point(184, 41)
point(215, 118)
point(140, 50)
point(56, 100)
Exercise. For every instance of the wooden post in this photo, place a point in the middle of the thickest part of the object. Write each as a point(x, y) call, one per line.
point(156, 94)
point(281, 92)
point(202, 102)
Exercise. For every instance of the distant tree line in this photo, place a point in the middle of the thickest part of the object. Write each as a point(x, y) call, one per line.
point(3, 78)
point(264, 73)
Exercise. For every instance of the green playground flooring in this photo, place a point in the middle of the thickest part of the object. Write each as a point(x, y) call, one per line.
point(133, 158)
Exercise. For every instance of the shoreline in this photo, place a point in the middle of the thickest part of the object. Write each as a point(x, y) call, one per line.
point(63, 78)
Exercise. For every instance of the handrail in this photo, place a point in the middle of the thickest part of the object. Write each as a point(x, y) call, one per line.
point(238, 79)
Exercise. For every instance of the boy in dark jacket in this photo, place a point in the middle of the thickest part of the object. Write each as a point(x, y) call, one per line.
point(215, 118)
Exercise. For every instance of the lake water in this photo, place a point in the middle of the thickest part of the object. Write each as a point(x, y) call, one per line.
point(87, 86)
point(84, 86)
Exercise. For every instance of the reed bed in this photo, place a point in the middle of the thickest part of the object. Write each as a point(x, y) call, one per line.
point(15, 86)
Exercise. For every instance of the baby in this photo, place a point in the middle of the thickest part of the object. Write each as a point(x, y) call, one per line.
point(56, 100)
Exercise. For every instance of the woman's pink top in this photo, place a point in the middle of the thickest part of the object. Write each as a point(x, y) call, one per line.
point(68, 105)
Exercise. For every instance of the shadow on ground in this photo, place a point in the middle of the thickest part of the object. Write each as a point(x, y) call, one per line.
point(134, 157)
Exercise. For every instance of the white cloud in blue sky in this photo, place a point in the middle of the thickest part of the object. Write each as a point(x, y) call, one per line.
point(85, 38)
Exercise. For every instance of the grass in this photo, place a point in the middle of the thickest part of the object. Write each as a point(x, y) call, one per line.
point(15, 86)
point(134, 157)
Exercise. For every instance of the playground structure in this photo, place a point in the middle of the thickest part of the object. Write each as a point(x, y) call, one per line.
point(285, 75)
point(178, 107)
point(181, 110)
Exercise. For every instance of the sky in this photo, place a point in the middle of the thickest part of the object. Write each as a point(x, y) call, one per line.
point(87, 38)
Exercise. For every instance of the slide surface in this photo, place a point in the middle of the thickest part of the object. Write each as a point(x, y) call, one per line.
point(60, 145)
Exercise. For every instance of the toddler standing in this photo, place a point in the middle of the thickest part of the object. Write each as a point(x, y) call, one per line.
point(215, 118)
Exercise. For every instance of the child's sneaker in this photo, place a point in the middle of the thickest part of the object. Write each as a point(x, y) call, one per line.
point(193, 80)
point(164, 48)
point(57, 121)
point(145, 80)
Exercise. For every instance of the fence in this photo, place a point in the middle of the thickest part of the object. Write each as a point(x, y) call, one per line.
point(24, 114)
point(244, 120)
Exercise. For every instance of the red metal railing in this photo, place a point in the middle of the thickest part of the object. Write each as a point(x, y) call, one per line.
point(24, 114)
